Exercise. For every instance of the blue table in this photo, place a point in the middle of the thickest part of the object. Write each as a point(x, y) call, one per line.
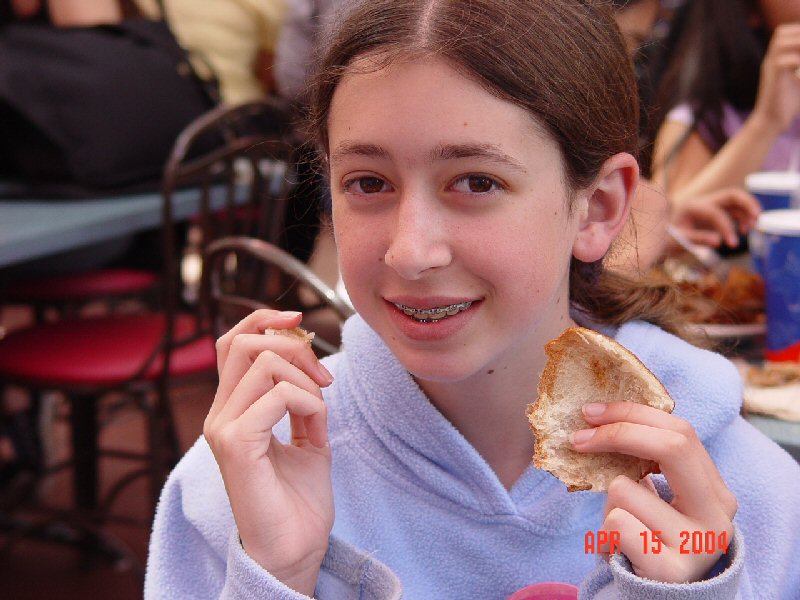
point(785, 433)
point(31, 229)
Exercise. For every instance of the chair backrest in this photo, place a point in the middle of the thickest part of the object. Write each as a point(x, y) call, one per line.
point(242, 274)
point(232, 169)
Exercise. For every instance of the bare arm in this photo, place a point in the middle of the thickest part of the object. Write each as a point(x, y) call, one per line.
point(694, 170)
point(26, 8)
point(80, 13)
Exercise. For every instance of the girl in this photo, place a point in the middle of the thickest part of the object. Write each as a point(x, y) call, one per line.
point(733, 94)
point(480, 161)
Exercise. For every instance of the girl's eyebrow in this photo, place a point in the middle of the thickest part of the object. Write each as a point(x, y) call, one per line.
point(346, 149)
point(487, 152)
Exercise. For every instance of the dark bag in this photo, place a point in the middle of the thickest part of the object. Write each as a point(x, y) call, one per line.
point(95, 106)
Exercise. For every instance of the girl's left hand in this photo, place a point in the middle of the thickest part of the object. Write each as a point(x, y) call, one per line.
point(701, 500)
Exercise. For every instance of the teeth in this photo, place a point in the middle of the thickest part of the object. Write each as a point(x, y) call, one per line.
point(429, 315)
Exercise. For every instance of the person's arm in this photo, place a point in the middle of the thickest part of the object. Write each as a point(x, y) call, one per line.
point(80, 13)
point(294, 48)
point(25, 9)
point(617, 581)
point(195, 551)
point(248, 512)
point(694, 170)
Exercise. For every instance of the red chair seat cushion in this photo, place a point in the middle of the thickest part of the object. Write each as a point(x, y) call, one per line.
point(92, 284)
point(101, 351)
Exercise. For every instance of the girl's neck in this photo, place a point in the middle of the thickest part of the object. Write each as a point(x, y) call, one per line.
point(488, 409)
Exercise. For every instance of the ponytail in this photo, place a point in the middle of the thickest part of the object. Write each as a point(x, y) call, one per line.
point(612, 298)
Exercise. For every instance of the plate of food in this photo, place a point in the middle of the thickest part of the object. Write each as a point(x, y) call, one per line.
point(772, 388)
point(720, 306)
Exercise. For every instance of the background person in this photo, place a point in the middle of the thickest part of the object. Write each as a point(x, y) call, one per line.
point(730, 94)
point(715, 219)
point(232, 40)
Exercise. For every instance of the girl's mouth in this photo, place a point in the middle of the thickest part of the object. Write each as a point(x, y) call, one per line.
point(432, 315)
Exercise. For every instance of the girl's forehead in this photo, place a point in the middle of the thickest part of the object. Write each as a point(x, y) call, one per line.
point(412, 97)
point(429, 83)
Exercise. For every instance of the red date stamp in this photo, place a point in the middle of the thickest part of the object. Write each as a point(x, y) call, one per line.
point(594, 542)
point(691, 542)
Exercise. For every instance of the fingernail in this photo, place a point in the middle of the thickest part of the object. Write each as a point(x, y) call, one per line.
point(581, 436)
point(324, 374)
point(290, 314)
point(594, 409)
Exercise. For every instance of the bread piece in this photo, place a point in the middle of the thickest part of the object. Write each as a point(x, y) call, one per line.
point(585, 366)
point(295, 332)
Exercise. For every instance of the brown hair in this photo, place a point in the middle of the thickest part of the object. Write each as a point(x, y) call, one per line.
point(563, 61)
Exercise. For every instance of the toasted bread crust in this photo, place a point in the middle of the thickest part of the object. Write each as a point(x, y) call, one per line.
point(295, 332)
point(585, 366)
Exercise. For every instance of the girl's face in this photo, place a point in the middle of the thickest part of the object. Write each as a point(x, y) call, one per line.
point(778, 12)
point(451, 218)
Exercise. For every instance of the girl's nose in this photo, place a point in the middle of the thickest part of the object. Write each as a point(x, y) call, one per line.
point(419, 240)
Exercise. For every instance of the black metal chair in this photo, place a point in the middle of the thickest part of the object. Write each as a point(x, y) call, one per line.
point(242, 274)
point(238, 163)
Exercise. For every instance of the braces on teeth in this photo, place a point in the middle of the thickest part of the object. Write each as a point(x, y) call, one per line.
point(429, 315)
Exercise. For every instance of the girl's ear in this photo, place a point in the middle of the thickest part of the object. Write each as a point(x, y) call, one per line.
point(608, 204)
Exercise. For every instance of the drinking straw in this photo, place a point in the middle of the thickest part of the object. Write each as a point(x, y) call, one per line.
point(794, 157)
point(794, 167)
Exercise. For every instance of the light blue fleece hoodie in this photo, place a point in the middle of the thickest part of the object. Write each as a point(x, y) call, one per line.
point(420, 515)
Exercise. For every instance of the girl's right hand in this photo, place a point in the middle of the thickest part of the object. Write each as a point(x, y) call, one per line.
point(280, 494)
point(778, 101)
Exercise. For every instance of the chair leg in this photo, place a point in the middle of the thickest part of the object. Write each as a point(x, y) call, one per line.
point(84, 422)
point(163, 441)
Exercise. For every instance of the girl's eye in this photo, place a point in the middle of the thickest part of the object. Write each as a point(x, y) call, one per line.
point(476, 184)
point(366, 185)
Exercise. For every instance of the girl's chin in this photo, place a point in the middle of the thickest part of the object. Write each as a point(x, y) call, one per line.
point(434, 368)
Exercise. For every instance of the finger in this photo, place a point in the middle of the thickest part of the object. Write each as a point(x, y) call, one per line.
point(639, 544)
point(788, 61)
point(745, 202)
point(647, 483)
point(704, 237)
point(612, 412)
point(676, 455)
point(307, 414)
point(722, 222)
point(786, 38)
point(648, 507)
point(267, 370)
point(615, 412)
point(255, 322)
point(632, 412)
point(306, 430)
point(245, 350)
point(249, 437)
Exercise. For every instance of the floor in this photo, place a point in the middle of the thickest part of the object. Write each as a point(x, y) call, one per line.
point(35, 570)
